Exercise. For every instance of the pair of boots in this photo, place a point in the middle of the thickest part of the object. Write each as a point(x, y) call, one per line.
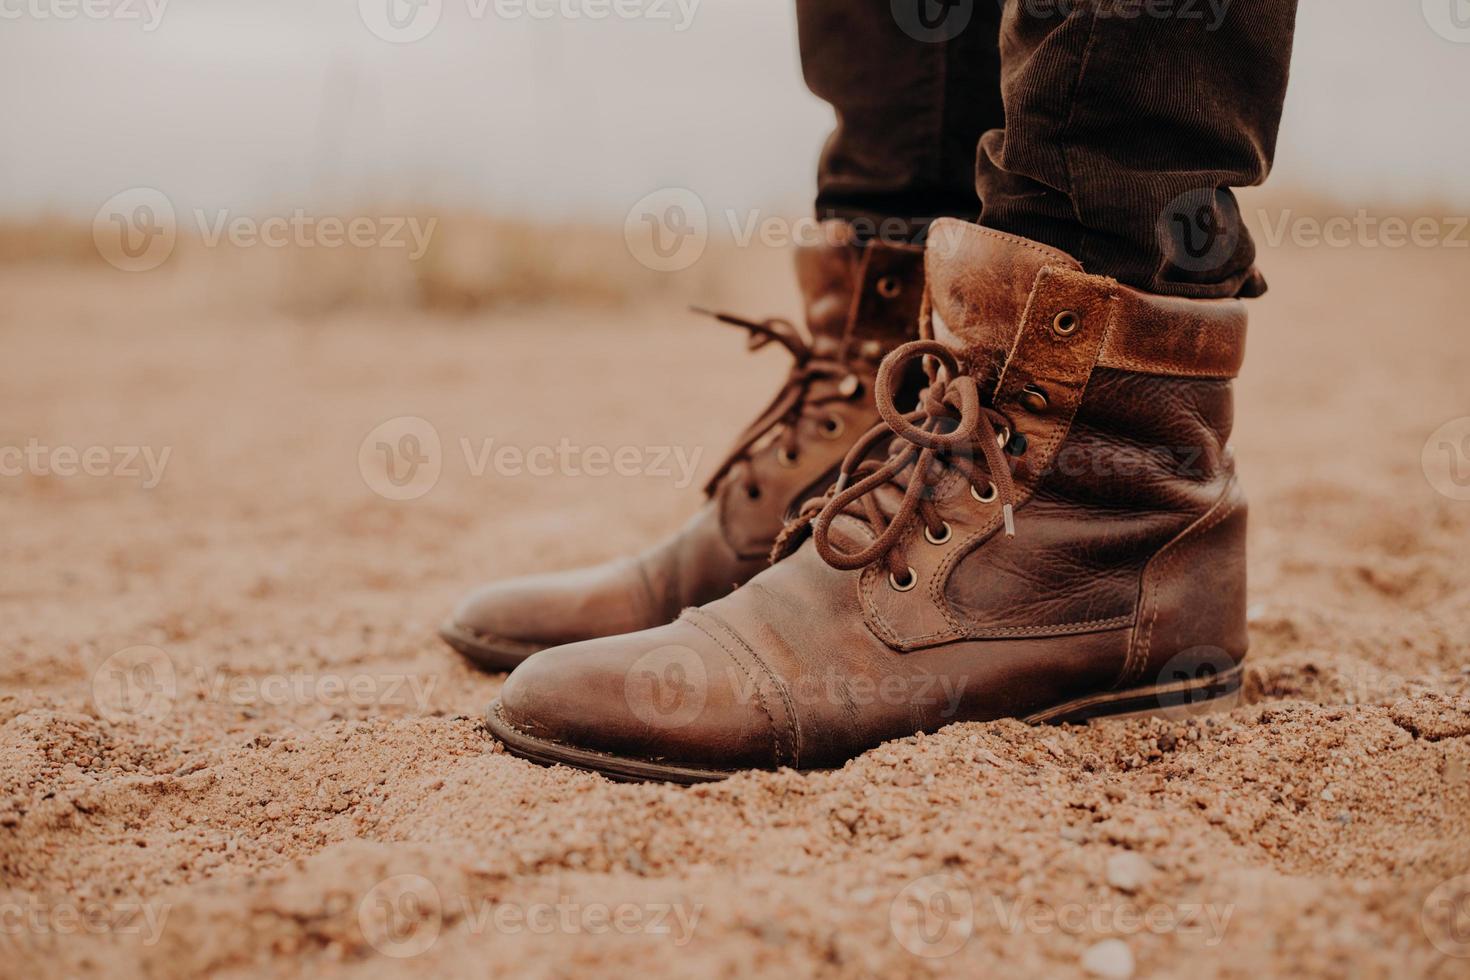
point(1055, 533)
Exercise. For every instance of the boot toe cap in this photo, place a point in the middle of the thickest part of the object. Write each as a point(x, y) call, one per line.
point(671, 696)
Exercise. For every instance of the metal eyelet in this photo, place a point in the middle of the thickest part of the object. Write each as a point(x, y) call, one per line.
point(889, 287)
point(1065, 323)
point(991, 492)
point(929, 537)
point(1003, 438)
point(786, 459)
point(909, 583)
point(849, 386)
point(833, 427)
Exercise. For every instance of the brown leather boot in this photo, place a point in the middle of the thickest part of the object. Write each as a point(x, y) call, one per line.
point(1090, 417)
point(862, 301)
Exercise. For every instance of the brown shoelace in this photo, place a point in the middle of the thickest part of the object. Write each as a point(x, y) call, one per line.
point(794, 401)
point(953, 429)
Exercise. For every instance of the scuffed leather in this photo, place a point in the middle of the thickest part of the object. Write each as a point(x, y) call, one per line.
point(1128, 562)
point(861, 301)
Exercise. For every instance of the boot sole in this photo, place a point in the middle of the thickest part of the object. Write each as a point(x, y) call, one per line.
point(1176, 701)
point(494, 654)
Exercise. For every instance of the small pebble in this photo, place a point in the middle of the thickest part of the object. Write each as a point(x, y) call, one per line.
point(1127, 871)
point(1110, 958)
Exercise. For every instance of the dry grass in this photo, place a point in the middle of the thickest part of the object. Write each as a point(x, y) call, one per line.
point(473, 262)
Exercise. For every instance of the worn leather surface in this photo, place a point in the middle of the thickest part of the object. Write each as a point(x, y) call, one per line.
point(1127, 565)
point(861, 301)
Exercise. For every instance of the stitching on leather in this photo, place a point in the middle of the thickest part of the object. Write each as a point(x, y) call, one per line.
point(1025, 243)
point(938, 585)
point(1138, 652)
point(1146, 367)
point(692, 616)
point(1001, 632)
point(650, 596)
point(786, 703)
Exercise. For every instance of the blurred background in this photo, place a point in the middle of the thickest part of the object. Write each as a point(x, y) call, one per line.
point(281, 281)
point(533, 112)
point(265, 103)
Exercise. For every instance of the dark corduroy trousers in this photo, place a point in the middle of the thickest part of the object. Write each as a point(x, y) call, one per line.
point(1111, 129)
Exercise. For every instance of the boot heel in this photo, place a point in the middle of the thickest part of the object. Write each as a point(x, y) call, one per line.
point(1176, 701)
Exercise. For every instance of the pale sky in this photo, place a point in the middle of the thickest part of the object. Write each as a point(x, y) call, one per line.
point(270, 104)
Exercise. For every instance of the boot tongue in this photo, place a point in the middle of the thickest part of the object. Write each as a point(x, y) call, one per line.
point(980, 281)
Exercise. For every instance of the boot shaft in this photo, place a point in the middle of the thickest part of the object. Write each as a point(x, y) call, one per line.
point(1124, 405)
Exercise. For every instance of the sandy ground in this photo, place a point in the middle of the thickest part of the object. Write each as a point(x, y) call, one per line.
point(231, 744)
